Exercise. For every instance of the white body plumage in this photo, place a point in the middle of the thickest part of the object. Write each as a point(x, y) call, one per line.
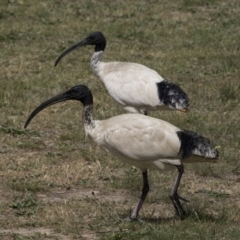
point(131, 85)
point(142, 141)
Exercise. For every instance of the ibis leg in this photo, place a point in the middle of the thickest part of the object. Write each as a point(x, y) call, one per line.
point(145, 191)
point(174, 195)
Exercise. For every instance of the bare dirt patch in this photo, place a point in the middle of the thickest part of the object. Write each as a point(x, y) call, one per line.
point(181, 16)
point(59, 195)
point(32, 231)
point(49, 233)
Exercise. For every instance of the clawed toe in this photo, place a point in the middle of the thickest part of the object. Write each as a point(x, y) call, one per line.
point(178, 206)
point(183, 199)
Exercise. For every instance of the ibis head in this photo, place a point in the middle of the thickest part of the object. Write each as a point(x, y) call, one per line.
point(80, 93)
point(96, 38)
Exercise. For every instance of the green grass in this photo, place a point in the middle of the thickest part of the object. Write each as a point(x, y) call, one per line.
point(49, 171)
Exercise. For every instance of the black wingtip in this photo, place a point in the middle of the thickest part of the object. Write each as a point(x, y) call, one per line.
point(191, 142)
point(172, 95)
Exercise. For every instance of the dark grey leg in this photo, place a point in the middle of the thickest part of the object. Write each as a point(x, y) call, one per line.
point(174, 195)
point(145, 191)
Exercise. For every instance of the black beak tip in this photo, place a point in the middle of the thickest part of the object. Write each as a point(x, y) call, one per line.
point(26, 123)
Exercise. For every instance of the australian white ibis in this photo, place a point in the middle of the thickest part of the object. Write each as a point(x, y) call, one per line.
point(134, 86)
point(142, 141)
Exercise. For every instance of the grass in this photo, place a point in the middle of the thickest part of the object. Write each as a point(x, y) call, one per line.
point(54, 183)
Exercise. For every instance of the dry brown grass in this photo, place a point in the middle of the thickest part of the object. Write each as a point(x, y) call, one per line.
point(54, 183)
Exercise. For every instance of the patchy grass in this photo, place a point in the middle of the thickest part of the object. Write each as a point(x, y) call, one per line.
point(54, 183)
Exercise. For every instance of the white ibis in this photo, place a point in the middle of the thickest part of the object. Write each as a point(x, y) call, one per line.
point(134, 86)
point(142, 141)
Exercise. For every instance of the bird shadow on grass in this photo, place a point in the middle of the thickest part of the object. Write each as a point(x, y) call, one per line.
point(124, 218)
point(159, 220)
point(200, 213)
point(192, 213)
point(203, 216)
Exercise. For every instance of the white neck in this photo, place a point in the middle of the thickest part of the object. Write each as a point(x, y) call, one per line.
point(95, 61)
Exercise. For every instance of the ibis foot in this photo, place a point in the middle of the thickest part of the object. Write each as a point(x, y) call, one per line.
point(178, 206)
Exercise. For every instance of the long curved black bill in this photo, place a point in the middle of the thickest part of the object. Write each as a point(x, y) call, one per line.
point(75, 46)
point(59, 98)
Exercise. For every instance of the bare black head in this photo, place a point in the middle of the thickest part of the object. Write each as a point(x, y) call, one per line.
point(80, 93)
point(96, 38)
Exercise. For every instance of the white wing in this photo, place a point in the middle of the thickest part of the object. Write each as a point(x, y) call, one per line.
point(139, 138)
point(131, 84)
